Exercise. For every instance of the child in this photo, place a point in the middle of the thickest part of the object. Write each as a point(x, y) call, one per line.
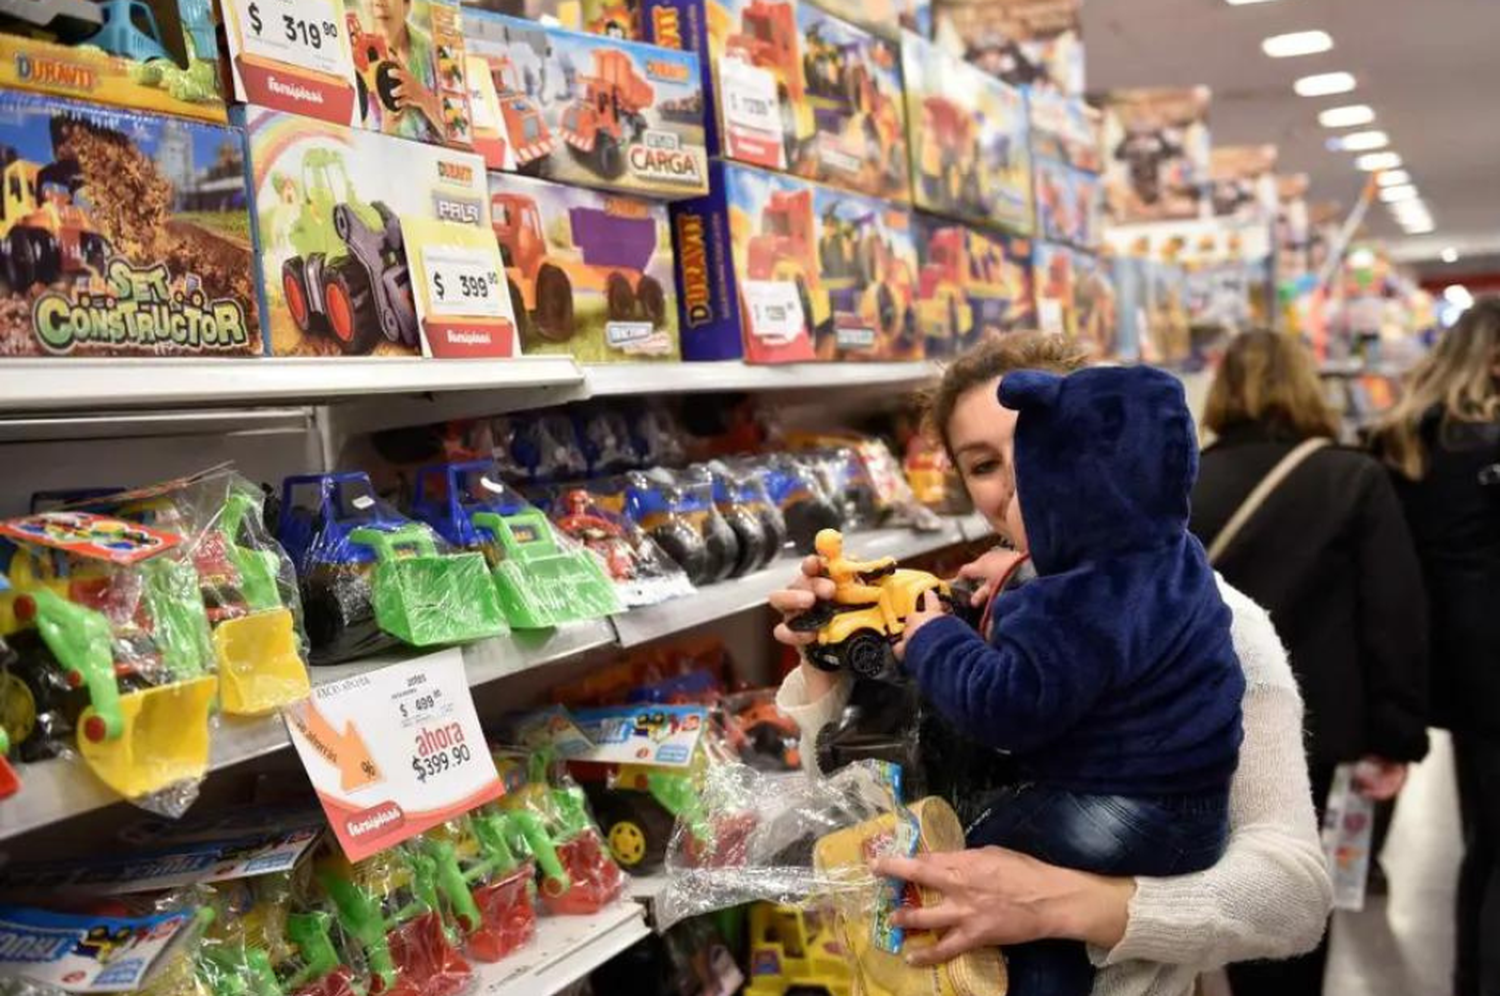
point(1111, 676)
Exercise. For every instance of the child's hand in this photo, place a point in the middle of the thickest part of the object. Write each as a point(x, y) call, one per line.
point(930, 607)
point(990, 569)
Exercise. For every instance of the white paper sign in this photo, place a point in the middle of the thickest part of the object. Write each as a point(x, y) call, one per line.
point(752, 113)
point(463, 281)
point(303, 33)
point(773, 310)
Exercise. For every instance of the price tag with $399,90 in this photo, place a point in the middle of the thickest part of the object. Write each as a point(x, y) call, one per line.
point(395, 751)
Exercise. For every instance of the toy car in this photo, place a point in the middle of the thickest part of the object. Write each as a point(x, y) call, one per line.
point(369, 574)
point(795, 953)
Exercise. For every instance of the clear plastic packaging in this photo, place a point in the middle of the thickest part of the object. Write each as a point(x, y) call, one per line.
point(758, 526)
point(372, 578)
point(642, 573)
point(798, 492)
point(677, 510)
point(761, 735)
point(656, 436)
point(542, 578)
point(538, 448)
point(603, 433)
point(485, 879)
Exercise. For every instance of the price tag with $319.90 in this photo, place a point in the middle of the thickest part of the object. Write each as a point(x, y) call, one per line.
point(302, 33)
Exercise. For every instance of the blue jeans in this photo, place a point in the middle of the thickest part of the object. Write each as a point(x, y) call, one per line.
point(1107, 834)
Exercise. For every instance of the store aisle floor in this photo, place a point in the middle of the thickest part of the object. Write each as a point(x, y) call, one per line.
point(1403, 945)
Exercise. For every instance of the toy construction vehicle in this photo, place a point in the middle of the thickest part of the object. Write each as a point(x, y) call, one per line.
point(485, 876)
point(540, 583)
point(349, 275)
point(948, 156)
point(44, 234)
point(612, 254)
point(374, 67)
point(257, 944)
point(369, 574)
point(113, 657)
point(769, 39)
point(795, 953)
point(524, 127)
point(964, 272)
point(868, 287)
point(784, 251)
point(867, 615)
point(610, 113)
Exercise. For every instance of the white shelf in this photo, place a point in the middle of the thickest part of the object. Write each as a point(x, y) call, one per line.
point(732, 375)
point(565, 949)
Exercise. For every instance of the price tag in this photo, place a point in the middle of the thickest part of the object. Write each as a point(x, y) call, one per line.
point(461, 281)
point(752, 113)
point(302, 33)
point(394, 752)
point(774, 310)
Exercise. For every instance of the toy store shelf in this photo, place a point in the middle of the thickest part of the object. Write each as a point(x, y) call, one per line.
point(733, 375)
point(728, 598)
point(566, 949)
point(52, 791)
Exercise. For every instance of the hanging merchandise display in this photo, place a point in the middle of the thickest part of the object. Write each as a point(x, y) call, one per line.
point(1030, 43)
point(1244, 183)
point(371, 244)
point(123, 234)
point(1156, 147)
point(971, 284)
point(970, 151)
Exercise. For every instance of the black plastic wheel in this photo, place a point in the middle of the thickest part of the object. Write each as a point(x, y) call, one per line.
point(554, 304)
point(518, 308)
point(866, 654)
point(723, 547)
point(653, 301)
point(682, 543)
point(619, 298)
point(635, 826)
point(611, 163)
point(750, 539)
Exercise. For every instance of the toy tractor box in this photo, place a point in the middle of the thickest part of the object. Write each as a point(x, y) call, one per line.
point(775, 269)
point(121, 234)
point(372, 245)
point(1069, 204)
point(970, 153)
point(971, 284)
point(589, 272)
point(152, 55)
point(590, 111)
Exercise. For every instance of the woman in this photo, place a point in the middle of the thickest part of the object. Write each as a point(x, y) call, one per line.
point(1267, 897)
point(1443, 440)
point(1328, 555)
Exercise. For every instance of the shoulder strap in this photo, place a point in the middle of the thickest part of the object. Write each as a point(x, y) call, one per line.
point(1263, 490)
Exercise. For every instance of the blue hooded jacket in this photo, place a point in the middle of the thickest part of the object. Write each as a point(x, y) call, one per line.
point(1113, 672)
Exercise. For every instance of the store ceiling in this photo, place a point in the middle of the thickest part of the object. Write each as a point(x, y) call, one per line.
point(1426, 67)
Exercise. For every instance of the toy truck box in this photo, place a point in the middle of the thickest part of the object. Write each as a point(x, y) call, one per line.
point(775, 269)
point(154, 55)
point(1056, 277)
point(611, 18)
point(971, 284)
point(591, 111)
point(1156, 151)
point(887, 18)
point(121, 234)
point(1069, 204)
point(1096, 303)
point(970, 154)
point(372, 245)
point(1037, 44)
point(1067, 129)
point(589, 273)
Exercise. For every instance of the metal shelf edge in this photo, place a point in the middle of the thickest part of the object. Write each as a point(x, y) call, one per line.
point(564, 951)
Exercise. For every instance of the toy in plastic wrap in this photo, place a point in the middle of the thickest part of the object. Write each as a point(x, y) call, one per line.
point(762, 736)
point(678, 512)
point(389, 906)
point(758, 526)
point(971, 285)
point(485, 878)
point(970, 153)
point(541, 580)
point(1035, 44)
point(109, 247)
point(591, 111)
point(928, 471)
point(159, 55)
point(538, 447)
point(409, 73)
point(1156, 146)
point(9, 783)
point(794, 951)
point(113, 655)
point(642, 573)
point(798, 494)
point(589, 274)
point(846, 479)
point(604, 433)
point(858, 628)
point(370, 576)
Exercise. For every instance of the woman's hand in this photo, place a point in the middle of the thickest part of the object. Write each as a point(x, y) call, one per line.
point(990, 570)
point(991, 896)
point(796, 598)
point(1379, 779)
point(929, 608)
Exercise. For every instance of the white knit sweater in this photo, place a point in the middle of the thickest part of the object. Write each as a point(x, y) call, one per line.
point(1268, 896)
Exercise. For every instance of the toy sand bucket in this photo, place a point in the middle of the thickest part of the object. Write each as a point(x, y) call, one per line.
point(260, 665)
point(425, 597)
point(539, 583)
point(164, 739)
point(881, 973)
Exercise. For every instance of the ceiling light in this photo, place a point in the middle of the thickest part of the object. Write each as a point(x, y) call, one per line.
point(1371, 162)
point(1458, 295)
point(1410, 210)
point(1420, 227)
point(1244, 3)
point(1393, 177)
point(1361, 259)
point(1297, 43)
point(1405, 192)
point(1359, 141)
point(1348, 116)
point(1449, 255)
point(1324, 84)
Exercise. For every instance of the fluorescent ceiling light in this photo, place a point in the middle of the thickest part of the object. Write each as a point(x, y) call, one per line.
point(1370, 162)
point(1359, 141)
point(1297, 43)
point(1244, 3)
point(1458, 295)
point(1393, 177)
point(1348, 116)
point(1361, 259)
point(1405, 192)
point(1449, 255)
point(1323, 84)
point(1409, 209)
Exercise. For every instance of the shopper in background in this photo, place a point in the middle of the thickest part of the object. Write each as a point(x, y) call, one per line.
point(1319, 540)
point(1267, 897)
point(1443, 440)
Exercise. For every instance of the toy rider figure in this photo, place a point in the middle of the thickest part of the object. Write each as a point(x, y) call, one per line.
point(848, 576)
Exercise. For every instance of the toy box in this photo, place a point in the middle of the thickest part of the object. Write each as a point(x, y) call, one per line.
point(1066, 128)
point(970, 154)
point(154, 55)
point(121, 234)
point(1055, 277)
point(776, 269)
point(1095, 304)
point(887, 18)
point(1156, 149)
point(589, 273)
point(971, 284)
point(1244, 183)
point(1031, 43)
point(1069, 204)
point(611, 18)
point(370, 244)
point(591, 111)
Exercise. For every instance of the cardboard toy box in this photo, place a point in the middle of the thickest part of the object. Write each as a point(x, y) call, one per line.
point(971, 284)
point(151, 55)
point(122, 234)
point(1056, 277)
point(611, 18)
point(589, 273)
point(1037, 44)
point(372, 244)
point(1067, 129)
point(887, 18)
point(1069, 204)
point(591, 111)
point(776, 269)
point(1157, 160)
point(970, 152)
